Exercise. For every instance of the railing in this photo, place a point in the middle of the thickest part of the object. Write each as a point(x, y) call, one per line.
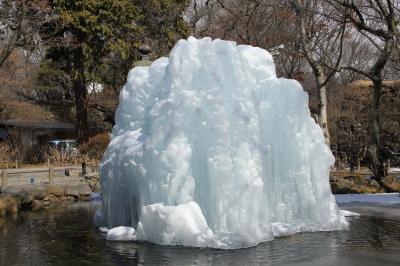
point(16, 164)
point(47, 175)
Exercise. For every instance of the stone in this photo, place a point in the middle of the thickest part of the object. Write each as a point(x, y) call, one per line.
point(373, 183)
point(58, 191)
point(78, 190)
point(389, 180)
point(25, 197)
point(71, 198)
point(37, 205)
point(38, 194)
point(84, 198)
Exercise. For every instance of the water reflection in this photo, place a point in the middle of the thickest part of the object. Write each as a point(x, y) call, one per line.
point(366, 233)
point(288, 249)
point(67, 236)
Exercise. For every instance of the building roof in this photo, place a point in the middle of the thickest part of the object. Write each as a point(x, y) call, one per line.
point(39, 124)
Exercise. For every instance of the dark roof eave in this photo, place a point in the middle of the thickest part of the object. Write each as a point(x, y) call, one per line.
point(39, 125)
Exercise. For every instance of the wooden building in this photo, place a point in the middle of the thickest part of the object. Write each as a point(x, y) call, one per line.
point(30, 137)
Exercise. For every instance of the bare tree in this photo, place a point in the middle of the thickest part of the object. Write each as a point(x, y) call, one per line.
point(321, 43)
point(291, 33)
point(200, 15)
point(20, 22)
point(255, 22)
point(377, 22)
point(268, 24)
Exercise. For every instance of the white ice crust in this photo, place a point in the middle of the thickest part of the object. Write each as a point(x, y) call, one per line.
point(120, 233)
point(211, 149)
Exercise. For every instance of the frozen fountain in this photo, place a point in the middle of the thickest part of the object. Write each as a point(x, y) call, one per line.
point(211, 149)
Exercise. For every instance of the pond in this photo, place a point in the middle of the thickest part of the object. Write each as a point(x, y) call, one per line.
point(67, 236)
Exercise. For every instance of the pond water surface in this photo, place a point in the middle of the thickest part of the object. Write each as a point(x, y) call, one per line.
point(67, 236)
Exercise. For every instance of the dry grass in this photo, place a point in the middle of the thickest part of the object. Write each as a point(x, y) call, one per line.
point(8, 206)
point(62, 158)
point(7, 153)
point(362, 83)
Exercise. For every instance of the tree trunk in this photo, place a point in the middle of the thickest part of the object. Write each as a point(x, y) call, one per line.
point(78, 80)
point(376, 160)
point(322, 103)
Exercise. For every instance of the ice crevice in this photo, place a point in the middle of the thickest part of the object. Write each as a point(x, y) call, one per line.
point(211, 149)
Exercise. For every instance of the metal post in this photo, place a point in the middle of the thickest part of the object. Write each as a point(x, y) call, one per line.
point(16, 163)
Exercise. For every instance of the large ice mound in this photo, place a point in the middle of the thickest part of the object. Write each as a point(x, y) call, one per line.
point(211, 149)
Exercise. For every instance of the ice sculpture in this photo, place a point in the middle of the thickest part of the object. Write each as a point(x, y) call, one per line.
point(211, 149)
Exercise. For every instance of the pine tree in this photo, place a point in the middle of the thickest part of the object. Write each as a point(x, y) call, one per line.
point(98, 41)
point(80, 35)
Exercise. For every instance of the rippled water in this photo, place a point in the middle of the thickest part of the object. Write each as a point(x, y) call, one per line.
point(67, 236)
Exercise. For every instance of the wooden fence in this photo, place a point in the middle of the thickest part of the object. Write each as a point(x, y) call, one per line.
point(19, 164)
point(46, 175)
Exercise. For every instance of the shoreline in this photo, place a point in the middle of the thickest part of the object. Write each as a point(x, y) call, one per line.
point(14, 200)
point(360, 182)
point(44, 196)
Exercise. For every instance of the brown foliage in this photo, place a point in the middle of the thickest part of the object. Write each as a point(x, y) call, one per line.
point(96, 146)
point(7, 153)
point(17, 78)
point(8, 206)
